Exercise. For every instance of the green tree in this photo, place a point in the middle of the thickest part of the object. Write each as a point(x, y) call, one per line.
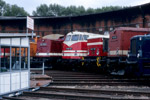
point(14, 10)
point(2, 4)
point(42, 10)
point(58, 10)
point(81, 10)
point(51, 10)
point(11, 10)
point(90, 11)
point(108, 8)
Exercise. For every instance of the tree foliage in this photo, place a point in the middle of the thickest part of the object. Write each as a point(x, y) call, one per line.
point(11, 10)
point(2, 4)
point(51, 10)
point(58, 10)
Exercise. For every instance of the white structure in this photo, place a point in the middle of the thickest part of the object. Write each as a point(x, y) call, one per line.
point(14, 62)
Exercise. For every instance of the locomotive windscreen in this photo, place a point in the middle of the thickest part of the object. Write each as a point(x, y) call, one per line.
point(75, 37)
point(85, 37)
point(146, 47)
point(133, 46)
point(105, 45)
point(68, 38)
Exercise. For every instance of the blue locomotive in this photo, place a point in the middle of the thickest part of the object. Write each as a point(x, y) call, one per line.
point(138, 61)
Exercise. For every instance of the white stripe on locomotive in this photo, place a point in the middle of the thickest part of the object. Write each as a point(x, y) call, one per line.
point(48, 54)
point(95, 43)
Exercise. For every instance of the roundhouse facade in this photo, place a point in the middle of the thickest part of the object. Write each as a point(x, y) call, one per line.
point(137, 16)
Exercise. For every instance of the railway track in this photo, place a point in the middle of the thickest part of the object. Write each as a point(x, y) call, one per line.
point(89, 86)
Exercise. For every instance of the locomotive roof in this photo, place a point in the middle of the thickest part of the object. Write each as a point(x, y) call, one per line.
point(82, 33)
point(53, 36)
point(98, 36)
point(132, 29)
point(146, 35)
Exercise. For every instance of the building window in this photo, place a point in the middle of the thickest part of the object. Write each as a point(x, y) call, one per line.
point(4, 59)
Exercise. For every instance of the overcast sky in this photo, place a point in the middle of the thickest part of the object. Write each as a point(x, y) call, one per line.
point(30, 5)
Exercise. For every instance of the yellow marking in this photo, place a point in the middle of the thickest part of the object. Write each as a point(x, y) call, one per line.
point(83, 60)
point(97, 62)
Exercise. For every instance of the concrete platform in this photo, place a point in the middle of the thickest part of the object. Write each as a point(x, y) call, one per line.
point(38, 80)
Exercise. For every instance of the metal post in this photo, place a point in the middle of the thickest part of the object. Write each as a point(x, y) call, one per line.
point(0, 56)
point(32, 34)
point(4, 58)
point(20, 62)
point(43, 68)
point(27, 33)
point(24, 65)
point(10, 64)
point(28, 60)
point(24, 57)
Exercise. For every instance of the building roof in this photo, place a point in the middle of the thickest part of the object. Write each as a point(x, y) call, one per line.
point(10, 35)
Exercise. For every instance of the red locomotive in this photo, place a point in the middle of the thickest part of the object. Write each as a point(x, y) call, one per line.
point(49, 50)
point(119, 45)
point(97, 51)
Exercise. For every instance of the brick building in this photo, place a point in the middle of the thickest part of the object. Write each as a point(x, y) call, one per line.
point(137, 16)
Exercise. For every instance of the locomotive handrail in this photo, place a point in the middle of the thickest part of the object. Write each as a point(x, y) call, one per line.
point(131, 62)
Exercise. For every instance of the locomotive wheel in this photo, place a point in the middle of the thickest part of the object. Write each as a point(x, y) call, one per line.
point(98, 61)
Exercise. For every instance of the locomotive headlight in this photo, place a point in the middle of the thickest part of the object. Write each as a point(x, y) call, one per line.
point(139, 54)
point(117, 52)
point(140, 38)
point(37, 53)
point(97, 52)
point(128, 55)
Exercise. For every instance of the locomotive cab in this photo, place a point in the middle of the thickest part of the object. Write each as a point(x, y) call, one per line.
point(139, 56)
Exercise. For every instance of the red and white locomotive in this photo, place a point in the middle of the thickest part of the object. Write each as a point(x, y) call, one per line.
point(75, 47)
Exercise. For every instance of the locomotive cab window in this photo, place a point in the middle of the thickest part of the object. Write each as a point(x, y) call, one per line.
point(68, 38)
point(75, 37)
point(81, 37)
point(105, 44)
point(133, 46)
point(85, 37)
